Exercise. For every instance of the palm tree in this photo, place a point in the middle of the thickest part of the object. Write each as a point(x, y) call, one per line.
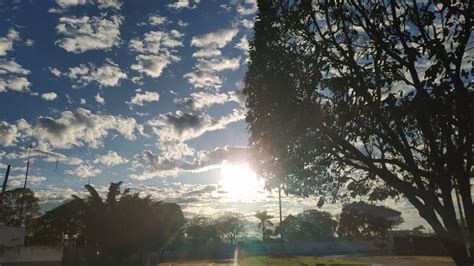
point(264, 221)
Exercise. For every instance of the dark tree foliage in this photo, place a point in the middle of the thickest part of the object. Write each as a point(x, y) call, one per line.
point(11, 204)
point(309, 225)
point(201, 230)
point(363, 221)
point(230, 225)
point(371, 98)
point(264, 219)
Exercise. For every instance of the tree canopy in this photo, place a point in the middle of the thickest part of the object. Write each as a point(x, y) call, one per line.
point(309, 225)
point(367, 98)
point(10, 207)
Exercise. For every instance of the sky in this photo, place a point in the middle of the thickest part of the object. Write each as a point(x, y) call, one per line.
point(144, 92)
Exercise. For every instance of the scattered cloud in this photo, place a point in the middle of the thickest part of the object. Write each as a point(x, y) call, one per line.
point(183, 4)
point(107, 75)
point(6, 43)
point(249, 8)
point(99, 99)
point(153, 65)
point(199, 100)
point(8, 134)
point(82, 127)
point(182, 126)
point(243, 44)
point(101, 4)
point(56, 72)
point(140, 98)
point(216, 39)
point(81, 34)
point(83, 171)
point(49, 96)
point(110, 159)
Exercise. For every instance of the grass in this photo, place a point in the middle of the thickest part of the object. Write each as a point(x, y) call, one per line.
point(297, 260)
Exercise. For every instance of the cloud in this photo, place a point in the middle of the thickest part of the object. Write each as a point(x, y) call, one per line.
point(82, 127)
point(54, 71)
point(216, 39)
point(159, 166)
point(19, 180)
point(204, 74)
point(207, 53)
point(12, 76)
point(102, 4)
point(249, 8)
point(89, 33)
point(182, 126)
point(6, 43)
point(8, 134)
point(199, 100)
point(140, 98)
point(110, 159)
point(107, 75)
point(247, 23)
point(99, 99)
point(182, 4)
point(243, 44)
point(49, 96)
point(83, 171)
point(156, 20)
point(156, 51)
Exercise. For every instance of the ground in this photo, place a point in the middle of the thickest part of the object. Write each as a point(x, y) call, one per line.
point(310, 260)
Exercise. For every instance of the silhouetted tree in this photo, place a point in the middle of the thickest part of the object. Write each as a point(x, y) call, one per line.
point(264, 219)
point(311, 225)
point(201, 230)
point(230, 225)
point(11, 205)
point(367, 98)
point(360, 220)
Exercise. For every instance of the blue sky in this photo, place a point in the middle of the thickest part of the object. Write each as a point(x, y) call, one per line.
point(145, 92)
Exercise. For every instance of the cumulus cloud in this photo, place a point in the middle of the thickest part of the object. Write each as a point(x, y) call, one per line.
point(56, 72)
point(6, 43)
point(207, 53)
point(205, 71)
point(249, 8)
point(140, 98)
point(216, 39)
point(243, 44)
point(99, 99)
point(81, 34)
point(156, 51)
point(203, 80)
point(107, 75)
point(82, 127)
point(18, 180)
point(83, 171)
point(102, 4)
point(12, 76)
point(8, 134)
point(247, 23)
point(110, 159)
point(49, 96)
point(199, 100)
point(182, 126)
point(156, 20)
point(155, 165)
point(183, 4)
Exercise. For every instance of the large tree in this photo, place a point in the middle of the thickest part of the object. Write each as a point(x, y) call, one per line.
point(11, 212)
point(230, 225)
point(370, 98)
point(265, 221)
point(309, 225)
point(360, 220)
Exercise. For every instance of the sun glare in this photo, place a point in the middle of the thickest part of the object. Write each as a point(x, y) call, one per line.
point(240, 182)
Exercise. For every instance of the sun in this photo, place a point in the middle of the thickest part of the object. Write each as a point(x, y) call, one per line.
point(240, 182)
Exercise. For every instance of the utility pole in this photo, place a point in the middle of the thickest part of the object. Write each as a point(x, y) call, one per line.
point(282, 247)
point(5, 181)
point(23, 199)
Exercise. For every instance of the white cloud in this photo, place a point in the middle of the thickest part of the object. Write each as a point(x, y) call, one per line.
point(152, 65)
point(156, 20)
point(200, 100)
point(110, 159)
point(12, 76)
point(49, 96)
point(102, 4)
point(205, 70)
point(89, 33)
point(203, 79)
point(148, 96)
point(107, 75)
point(83, 101)
point(214, 39)
point(159, 166)
point(183, 126)
point(83, 171)
point(156, 52)
point(249, 8)
point(182, 23)
point(243, 44)
point(180, 4)
point(54, 71)
point(247, 23)
point(8, 134)
point(99, 99)
point(81, 127)
point(18, 180)
point(207, 53)
point(6, 43)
